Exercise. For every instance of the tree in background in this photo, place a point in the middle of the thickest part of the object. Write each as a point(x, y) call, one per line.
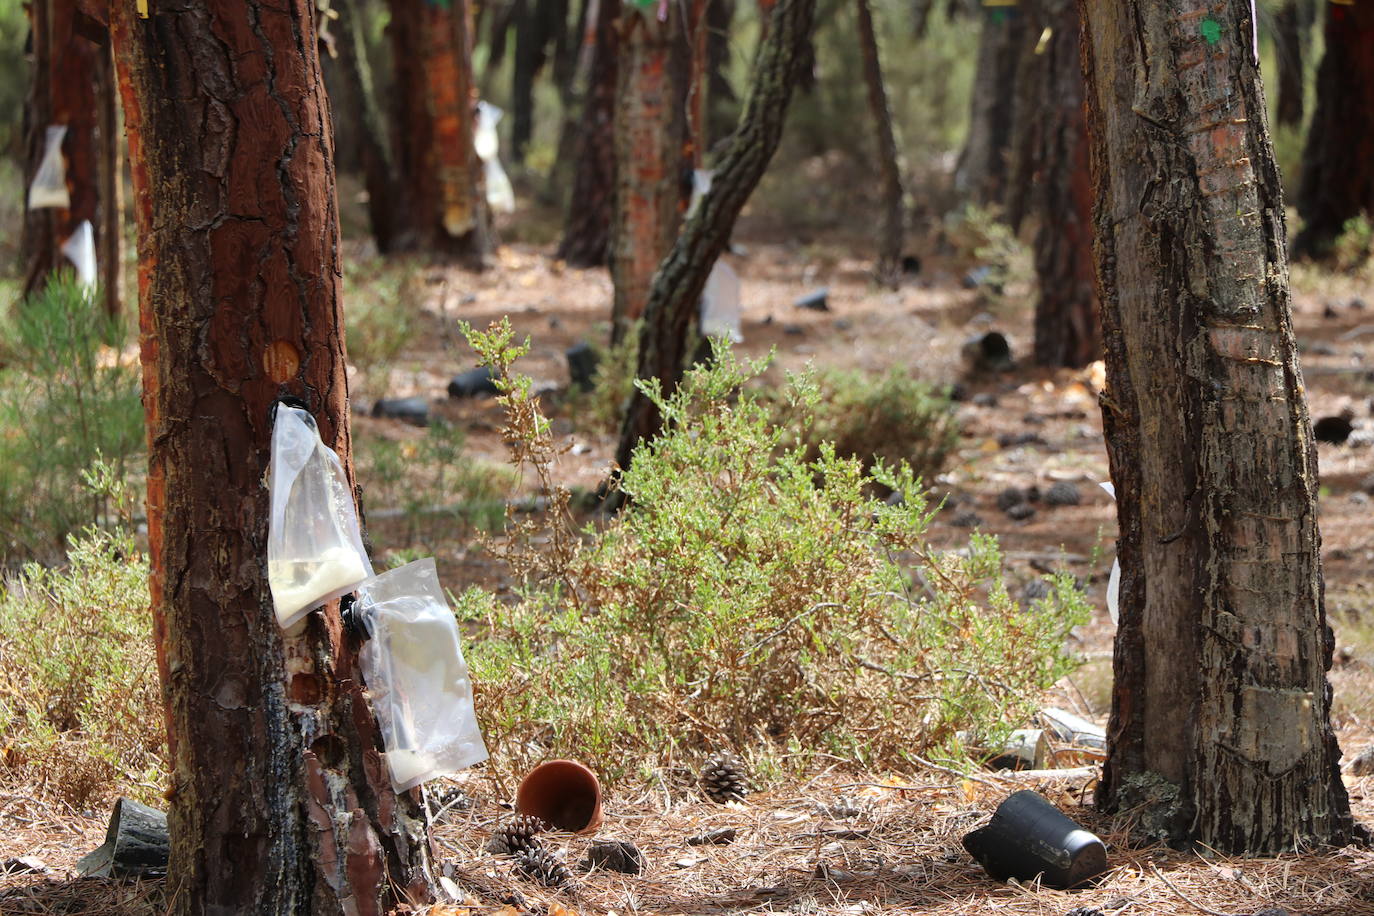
point(1291, 24)
point(889, 267)
point(73, 86)
point(587, 227)
point(279, 799)
point(1220, 730)
point(1338, 162)
point(436, 116)
point(982, 170)
point(680, 279)
point(539, 24)
point(650, 136)
point(1050, 177)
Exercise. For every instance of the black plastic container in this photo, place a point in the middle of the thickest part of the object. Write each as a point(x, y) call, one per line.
point(1028, 836)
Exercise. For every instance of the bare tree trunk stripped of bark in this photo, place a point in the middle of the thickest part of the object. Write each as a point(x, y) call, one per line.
point(432, 55)
point(587, 227)
point(889, 268)
point(1338, 163)
point(1288, 45)
point(387, 210)
point(982, 170)
point(680, 279)
point(73, 86)
point(1219, 730)
point(650, 131)
point(1052, 170)
point(280, 801)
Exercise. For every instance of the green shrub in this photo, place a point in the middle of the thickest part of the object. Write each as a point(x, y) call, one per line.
point(68, 394)
point(382, 316)
point(80, 711)
point(1355, 244)
point(887, 418)
point(753, 597)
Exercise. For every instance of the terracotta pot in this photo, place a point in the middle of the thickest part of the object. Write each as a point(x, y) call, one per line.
point(564, 793)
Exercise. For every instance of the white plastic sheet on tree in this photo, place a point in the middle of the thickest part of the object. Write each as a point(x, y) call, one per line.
point(500, 195)
point(80, 250)
point(1114, 581)
point(413, 667)
point(701, 184)
point(49, 187)
point(314, 545)
point(720, 306)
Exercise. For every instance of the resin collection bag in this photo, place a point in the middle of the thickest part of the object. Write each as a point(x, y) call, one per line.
point(413, 667)
point(80, 250)
point(49, 187)
point(487, 145)
point(314, 545)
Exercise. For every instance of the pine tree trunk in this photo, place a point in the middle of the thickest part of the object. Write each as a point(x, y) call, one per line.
point(536, 22)
point(679, 280)
point(1338, 162)
point(280, 801)
point(432, 55)
point(587, 228)
point(387, 211)
point(1053, 172)
point(1220, 726)
point(889, 268)
point(722, 105)
point(1288, 45)
point(981, 174)
point(73, 86)
point(650, 132)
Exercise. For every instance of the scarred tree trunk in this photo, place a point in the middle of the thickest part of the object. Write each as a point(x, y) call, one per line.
point(982, 170)
point(889, 268)
point(73, 86)
point(1219, 730)
point(650, 129)
point(678, 283)
point(587, 228)
point(1338, 163)
point(1288, 45)
point(1053, 170)
point(432, 55)
point(387, 211)
point(280, 801)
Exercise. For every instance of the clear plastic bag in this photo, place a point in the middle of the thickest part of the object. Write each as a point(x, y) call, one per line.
point(49, 187)
point(413, 666)
point(314, 545)
point(80, 250)
point(1114, 580)
point(720, 307)
point(500, 194)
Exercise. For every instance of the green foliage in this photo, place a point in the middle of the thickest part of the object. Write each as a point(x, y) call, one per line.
point(80, 712)
point(68, 394)
point(891, 418)
point(1356, 243)
point(431, 483)
point(980, 238)
point(382, 317)
point(756, 597)
point(603, 407)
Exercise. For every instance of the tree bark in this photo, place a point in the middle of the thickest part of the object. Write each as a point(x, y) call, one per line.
point(1338, 162)
point(280, 801)
point(73, 86)
point(587, 228)
point(889, 267)
point(981, 174)
point(722, 105)
point(650, 134)
point(1051, 173)
point(1220, 726)
point(1288, 44)
point(536, 24)
point(387, 211)
point(678, 283)
point(432, 55)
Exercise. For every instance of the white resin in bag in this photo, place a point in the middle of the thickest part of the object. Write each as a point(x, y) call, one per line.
point(80, 250)
point(487, 145)
point(314, 544)
point(414, 671)
point(49, 187)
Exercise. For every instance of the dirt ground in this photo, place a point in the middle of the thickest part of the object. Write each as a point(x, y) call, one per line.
point(900, 853)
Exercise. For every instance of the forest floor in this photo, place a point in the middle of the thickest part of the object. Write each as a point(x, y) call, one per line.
point(899, 852)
